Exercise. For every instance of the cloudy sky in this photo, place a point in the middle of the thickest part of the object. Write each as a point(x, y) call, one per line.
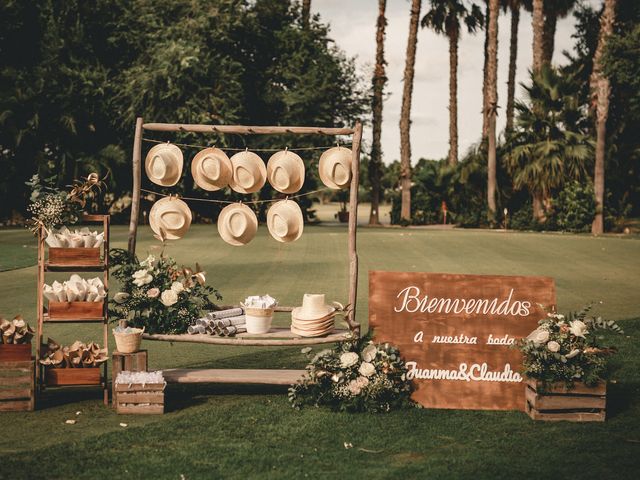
point(353, 29)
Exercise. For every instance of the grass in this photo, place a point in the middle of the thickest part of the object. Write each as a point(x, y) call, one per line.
point(249, 432)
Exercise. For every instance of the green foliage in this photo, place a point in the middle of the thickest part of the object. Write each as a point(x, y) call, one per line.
point(575, 207)
point(566, 349)
point(547, 147)
point(354, 376)
point(157, 294)
point(50, 206)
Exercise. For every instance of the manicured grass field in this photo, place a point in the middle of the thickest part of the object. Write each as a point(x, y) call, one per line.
point(251, 432)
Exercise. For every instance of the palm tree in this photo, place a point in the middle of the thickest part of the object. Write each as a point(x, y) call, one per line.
point(306, 12)
point(405, 112)
point(379, 80)
point(553, 10)
point(492, 106)
point(513, 6)
point(444, 18)
point(485, 124)
point(546, 148)
point(600, 92)
point(537, 22)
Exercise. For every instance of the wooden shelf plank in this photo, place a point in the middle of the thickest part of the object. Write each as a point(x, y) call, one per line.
point(255, 340)
point(236, 375)
point(49, 267)
point(47, 319)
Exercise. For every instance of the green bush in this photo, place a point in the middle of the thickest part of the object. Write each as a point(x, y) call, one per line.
point(575, 207)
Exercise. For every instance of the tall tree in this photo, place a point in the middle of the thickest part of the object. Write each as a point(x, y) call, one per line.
point(306, 12)
point(485, 117)
point(537, 22)
point(405, 112)
point(553, 10)
point(379, 80)
point(513, 6)
point(600, 91)
point(492, 106)
point(444, 17)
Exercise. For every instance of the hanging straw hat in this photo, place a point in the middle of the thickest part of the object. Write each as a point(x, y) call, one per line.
point(249, 172)
point(284, 221)
point(335, 167)
point(313, 307)
point(237, 224)
point(163, 164)
point(285, 171)
point(211, 169)
point(170, 218)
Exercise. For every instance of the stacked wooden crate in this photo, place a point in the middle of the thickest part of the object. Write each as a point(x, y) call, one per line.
point(17, 382)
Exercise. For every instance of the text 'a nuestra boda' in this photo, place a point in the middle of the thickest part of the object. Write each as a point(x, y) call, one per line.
point(465, 372)
point(412, 300)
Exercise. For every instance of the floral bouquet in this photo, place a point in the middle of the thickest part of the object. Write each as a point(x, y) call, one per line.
point(157, 294)
point(354, 376)
point(566, 350)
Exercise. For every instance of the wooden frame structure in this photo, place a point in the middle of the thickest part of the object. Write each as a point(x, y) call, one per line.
point(74, 260)
point(277, 337)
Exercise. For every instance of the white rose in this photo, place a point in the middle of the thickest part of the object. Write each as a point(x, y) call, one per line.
point(148, 262)
point(369, 353)
point(553, 346)
point(142, 277)
point(578, 328)
point(348, 359)
point(539, 336)
point(120, 297)
point(367, 369)
point(572, 353)
point(168, 298)
point(177, 287)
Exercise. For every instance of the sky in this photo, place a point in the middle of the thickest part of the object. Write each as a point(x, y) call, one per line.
point(353, 23)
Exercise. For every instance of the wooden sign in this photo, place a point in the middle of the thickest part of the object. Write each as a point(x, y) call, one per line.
point(456, 333)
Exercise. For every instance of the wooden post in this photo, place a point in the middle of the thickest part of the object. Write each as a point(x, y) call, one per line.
point(353, 225)
point(39, 303)
point(135, 189)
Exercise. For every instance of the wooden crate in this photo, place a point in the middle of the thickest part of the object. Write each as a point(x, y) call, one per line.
point(57, 377)
point(76, 311)
point(15, 352)
point(139, 399)
point(556, 402)
point(131, 362)
point(17, 381)
point(78, 257)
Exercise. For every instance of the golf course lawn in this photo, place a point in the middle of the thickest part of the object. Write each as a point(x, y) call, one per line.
point(251, 432)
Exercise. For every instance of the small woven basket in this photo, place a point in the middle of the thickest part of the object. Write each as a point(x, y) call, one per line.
point(128, 342)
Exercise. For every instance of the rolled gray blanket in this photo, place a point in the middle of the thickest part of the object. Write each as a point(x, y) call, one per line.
point(227, 322)
point(231, 312)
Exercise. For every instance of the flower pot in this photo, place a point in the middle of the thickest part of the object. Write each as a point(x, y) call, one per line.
point(343, 216)
point(15, 352)
point(258, 319)
point(84, 257)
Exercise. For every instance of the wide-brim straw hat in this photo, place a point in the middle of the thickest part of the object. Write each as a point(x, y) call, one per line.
point(170, 218)
point(335, 167)
point(211, 169)
point(237, 224)
point(313, 307)
point(163, 164)
point(285, 221)
point(285, 171)
point(249, 173)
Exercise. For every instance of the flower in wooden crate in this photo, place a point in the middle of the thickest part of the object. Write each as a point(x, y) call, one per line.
point(566, 350)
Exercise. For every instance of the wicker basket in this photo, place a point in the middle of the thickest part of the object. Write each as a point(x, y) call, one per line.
point(258, 319)
point(128, 342)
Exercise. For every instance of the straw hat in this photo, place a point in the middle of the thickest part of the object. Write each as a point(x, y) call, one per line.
point(285, 171)
point(211, 169)
point(284, 221)
point(170, 218)
point(163, 164)
point(313, 307)
point(335, 167)
point(249, 172)
point(237, 224)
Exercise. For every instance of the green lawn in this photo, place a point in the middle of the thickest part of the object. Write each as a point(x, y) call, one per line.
point(251, 432)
